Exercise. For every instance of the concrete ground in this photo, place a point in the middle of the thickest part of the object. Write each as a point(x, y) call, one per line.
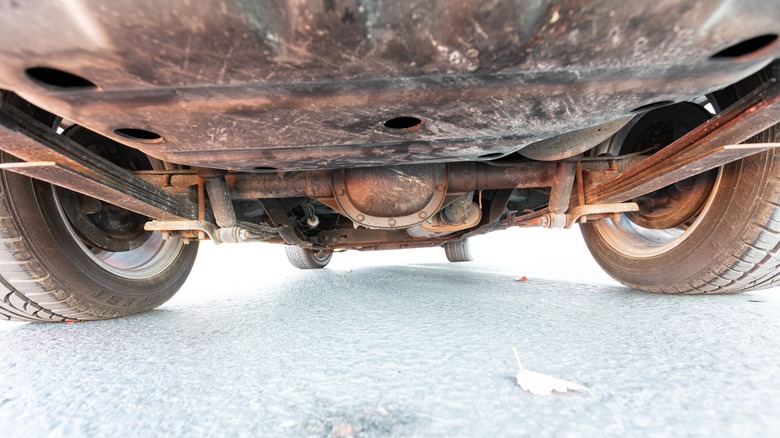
point(402, 344)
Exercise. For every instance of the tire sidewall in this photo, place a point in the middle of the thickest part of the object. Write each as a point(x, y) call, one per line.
point(727, 222)
point(88, 285)
point(319, 262)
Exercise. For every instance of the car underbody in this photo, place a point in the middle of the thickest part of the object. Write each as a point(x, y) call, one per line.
point(361, 124)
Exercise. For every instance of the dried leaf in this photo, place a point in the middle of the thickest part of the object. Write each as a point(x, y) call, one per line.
point(542, 384)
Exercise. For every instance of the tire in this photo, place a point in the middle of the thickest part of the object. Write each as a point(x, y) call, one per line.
point(730, 247)
point(48, 274)
point(458, 251)
point(303, 258)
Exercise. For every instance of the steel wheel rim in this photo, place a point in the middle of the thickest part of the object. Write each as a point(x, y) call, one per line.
point(150, 259)
point(320, 254)
point(634, 241)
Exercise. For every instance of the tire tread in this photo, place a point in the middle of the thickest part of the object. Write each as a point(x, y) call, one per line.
point(753, 263)
point(303, 258)
point(458, 251)
point(29, 292)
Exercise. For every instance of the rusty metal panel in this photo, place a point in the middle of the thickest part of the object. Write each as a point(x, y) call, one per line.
point(310, 84)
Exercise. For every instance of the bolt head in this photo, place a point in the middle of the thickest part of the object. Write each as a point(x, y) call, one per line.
point(391, 222)
point(360, 218)
point(422, 215)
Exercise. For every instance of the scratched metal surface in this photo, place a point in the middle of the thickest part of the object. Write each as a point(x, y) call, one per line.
point(307, 84)
point(402, 344)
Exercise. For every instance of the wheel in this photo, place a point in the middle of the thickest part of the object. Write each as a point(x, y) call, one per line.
point(303, 258)
point(715, 233)
point(458, 251)
point(64, 256)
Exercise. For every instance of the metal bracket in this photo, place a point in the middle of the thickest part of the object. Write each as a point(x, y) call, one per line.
point(273, 208)
point(582, 211)
point(567, 220)
point(204, 227)
point(242, 233)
